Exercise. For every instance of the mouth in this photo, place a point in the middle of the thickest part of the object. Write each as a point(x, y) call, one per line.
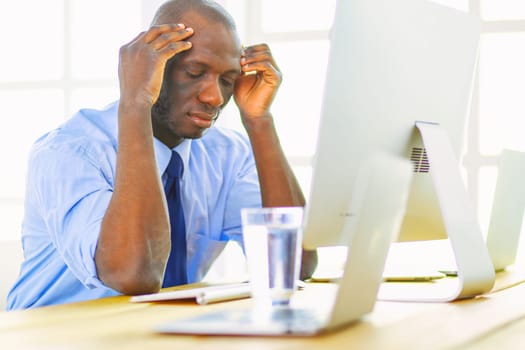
point(202, 119)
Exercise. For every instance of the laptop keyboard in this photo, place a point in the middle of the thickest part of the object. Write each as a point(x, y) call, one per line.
point(297, 316)
point(278, 320)
point(274, 322)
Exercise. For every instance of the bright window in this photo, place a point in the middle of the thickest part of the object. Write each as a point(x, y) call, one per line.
point(58, 56)
point(279, 16)
point(502, 9)
point(97, 33)
point(502, 87)
point(63, 56)
point(32, 40)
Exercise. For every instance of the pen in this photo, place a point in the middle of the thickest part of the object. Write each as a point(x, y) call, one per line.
point(223, 294)
point(230, 293)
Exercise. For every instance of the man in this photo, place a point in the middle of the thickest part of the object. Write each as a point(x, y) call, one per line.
point(97, 220)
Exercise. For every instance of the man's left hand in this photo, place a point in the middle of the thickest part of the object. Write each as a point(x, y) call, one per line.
point(255, 89)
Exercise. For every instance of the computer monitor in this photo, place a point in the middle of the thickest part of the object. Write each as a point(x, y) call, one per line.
point(391, 64)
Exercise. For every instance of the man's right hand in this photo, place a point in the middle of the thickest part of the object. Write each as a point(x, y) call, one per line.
point(134, 242)
point(143, 60)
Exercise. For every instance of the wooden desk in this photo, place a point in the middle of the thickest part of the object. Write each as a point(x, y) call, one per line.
point(114, 323)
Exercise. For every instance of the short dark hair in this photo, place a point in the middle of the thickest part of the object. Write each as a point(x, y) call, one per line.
point(173, 10)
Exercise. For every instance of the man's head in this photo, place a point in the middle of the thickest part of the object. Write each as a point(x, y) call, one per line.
point(198, 82)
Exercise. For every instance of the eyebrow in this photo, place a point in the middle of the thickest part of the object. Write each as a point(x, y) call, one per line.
point(199, 64)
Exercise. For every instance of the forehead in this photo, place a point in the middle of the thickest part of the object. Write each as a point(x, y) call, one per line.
point(213, 42)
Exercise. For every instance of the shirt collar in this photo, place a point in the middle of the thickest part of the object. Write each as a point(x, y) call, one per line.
point(163, 154)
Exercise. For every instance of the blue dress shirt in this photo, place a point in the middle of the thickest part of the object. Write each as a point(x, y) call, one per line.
point(69, 185)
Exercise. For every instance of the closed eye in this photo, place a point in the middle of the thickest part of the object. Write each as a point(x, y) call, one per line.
point(194, 74)
point(227, 82)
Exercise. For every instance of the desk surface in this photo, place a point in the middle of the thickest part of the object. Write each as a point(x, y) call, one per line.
point(495, 320)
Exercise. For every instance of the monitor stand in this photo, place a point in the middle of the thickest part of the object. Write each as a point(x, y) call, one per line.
point(475, 272)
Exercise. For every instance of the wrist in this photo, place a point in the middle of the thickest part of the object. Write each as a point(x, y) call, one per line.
point(135, 105)
point(259, 123)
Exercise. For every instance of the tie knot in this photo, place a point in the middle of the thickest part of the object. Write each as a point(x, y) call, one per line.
point(175, 166)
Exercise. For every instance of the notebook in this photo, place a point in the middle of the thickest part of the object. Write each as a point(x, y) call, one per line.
point(201, 295)
point(378, 208)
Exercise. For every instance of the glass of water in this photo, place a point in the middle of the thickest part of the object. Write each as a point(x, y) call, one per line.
point(272, 241)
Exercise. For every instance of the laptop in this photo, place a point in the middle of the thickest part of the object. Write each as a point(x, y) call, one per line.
point(508, 205)
point(381, 192)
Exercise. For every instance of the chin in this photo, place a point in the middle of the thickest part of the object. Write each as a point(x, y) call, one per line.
point(198, 134)
point(194, 134)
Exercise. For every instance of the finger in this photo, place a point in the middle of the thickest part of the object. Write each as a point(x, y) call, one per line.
point(259, 66)
point(154, 31)
point(255, 48)
point(167, 38)
point(259, 59)
point(258, 62)
point(258, 53)
point(264, 69)
point(174, 48)
point(252, 52)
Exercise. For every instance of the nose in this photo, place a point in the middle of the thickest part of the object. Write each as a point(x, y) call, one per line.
point(211, 93)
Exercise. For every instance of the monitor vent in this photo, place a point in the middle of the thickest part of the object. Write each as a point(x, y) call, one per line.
point(420, 160)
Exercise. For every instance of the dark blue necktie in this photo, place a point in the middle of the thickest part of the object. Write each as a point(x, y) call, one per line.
point(176, 268)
